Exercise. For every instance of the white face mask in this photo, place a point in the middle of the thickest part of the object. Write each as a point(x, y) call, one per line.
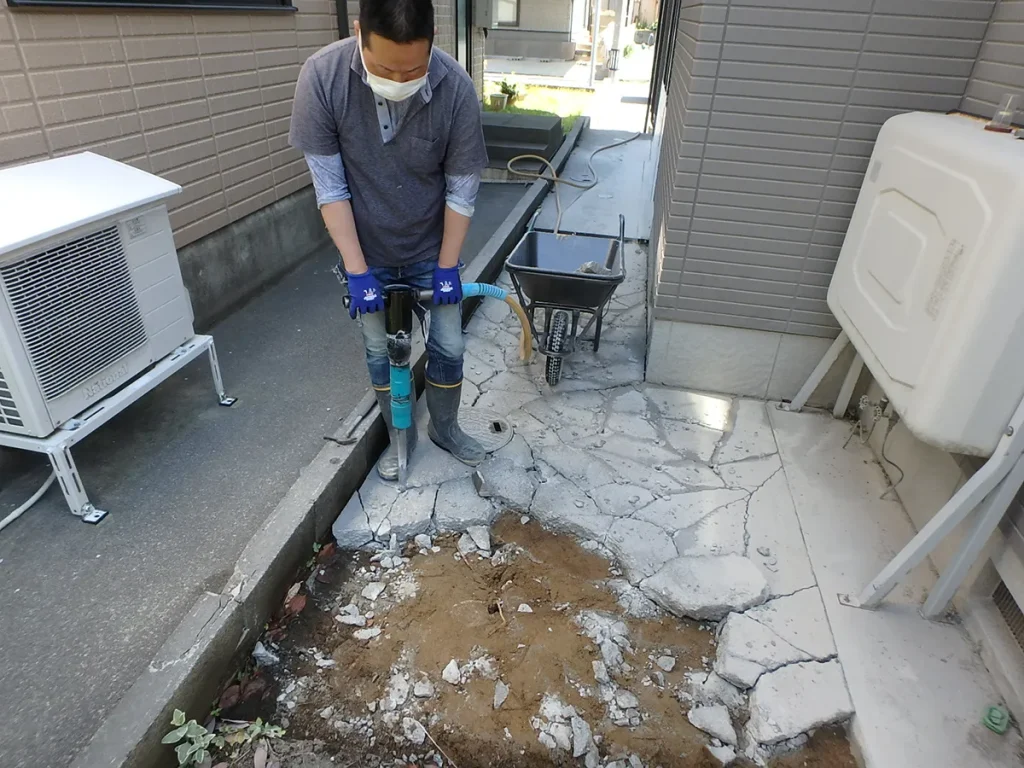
point(389, 89)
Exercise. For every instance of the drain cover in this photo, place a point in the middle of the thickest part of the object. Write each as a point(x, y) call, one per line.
point(492, 431)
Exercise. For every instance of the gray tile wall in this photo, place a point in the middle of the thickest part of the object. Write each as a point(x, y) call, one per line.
point(774, 108)
point(1000, 66)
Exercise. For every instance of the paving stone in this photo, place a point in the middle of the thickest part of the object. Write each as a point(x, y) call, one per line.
point(751, 473)
point(507, 482)
point(352, 530)
point(562, 507)
point(630, 425)
point(412, 512)
point(797, 699)
point(631, 401)
point(621, 500)
point(694, 475)
point(706, 587)
point(504, 403)
point(692, 441)
point(485, 351)
point(577, 465)
point(478, 371)
point(751, 433)
point(714, 721)
point(707, 410)
point(684, 510)
point(800, 620)
point(641, 451)
point(641, 547)
point(747, 650)
point(772, 524)
point(518, 452)
point(507, 381)
point(708, 688)
point(720, 533)
point(654, 477)
point(459, 506)
point(430, 465)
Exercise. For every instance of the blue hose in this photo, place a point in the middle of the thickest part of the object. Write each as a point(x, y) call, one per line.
point(470, 290)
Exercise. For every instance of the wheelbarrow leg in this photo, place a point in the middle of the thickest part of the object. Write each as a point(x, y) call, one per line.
point(597, 328)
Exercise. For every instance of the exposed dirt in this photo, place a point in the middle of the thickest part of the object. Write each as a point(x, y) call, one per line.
point(441, 606)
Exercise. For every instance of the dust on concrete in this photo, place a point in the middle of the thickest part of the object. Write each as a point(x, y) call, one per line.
point(510, 616)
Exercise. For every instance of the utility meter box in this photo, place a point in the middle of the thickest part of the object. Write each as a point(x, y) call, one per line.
point(930, 280)
point(483, 13)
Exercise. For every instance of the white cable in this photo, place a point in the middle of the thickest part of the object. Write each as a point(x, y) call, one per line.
point(28, 504)
point(568, 182)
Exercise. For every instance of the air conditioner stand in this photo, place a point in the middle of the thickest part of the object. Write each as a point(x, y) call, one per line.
point(57, 446)
point(988, 493)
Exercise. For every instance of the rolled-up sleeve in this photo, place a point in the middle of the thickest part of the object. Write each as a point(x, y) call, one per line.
point(461, 191)
point(329, 180)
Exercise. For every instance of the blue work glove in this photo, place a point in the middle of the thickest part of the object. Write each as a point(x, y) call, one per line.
point(447, 285)
point(366, 294)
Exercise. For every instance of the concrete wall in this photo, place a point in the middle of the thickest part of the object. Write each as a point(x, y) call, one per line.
point(545, 31)
point(776, 105)
point(202, 99)
point(1000, 65)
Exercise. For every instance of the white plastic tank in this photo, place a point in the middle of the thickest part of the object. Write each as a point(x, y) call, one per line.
point(930, 281)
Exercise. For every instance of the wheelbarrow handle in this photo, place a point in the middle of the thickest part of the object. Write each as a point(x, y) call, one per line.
point(610, 261)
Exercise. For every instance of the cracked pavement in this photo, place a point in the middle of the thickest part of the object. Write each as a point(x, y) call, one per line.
point(686, 491)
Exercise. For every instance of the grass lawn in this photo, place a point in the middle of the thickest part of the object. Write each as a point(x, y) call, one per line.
point(566, 103)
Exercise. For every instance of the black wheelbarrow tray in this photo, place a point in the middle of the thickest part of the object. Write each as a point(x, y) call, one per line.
point(567, 276)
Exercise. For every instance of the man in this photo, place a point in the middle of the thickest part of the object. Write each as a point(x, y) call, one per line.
point(391, 130)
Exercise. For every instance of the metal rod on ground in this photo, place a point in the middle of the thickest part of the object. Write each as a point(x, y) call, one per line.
point(398, 311)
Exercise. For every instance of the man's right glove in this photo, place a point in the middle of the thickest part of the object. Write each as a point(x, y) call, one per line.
point(366, 294)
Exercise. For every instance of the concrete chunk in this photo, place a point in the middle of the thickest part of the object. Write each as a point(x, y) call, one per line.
point(687, 509)
point(373, 590)
point(582, 737)
point(707, 587)
point(641, 547)
point(451, 673)
point(714, 721)
point(724, 754)
point(507, 482)
point(800, 620)
point(708, 688)
point(458, 506)
point(481, 535)
point(747, 649)
point(797, 699)
point(720, 533)
point(412, 512)
point(500, 694)
point(413, 731)
point(352, 530)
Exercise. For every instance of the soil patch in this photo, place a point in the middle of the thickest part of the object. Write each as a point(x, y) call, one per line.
point(511, 620)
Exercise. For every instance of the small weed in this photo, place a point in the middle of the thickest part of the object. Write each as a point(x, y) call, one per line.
point(194, 742)
point(628, 50)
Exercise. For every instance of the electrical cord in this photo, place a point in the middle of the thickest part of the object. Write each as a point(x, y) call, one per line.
point(28, 504)
point(554, 178)
point(892, 488)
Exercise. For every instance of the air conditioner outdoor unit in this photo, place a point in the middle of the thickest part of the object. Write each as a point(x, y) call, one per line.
point(91, 298)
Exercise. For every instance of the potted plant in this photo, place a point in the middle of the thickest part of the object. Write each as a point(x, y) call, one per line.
point(510, 90)
point(498, 101)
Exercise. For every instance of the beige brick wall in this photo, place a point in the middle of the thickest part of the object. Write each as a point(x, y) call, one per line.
point(202, 99)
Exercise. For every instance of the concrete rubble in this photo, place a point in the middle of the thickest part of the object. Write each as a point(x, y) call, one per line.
point(684, 491)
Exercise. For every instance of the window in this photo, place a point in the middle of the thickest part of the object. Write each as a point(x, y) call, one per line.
point(189, 5)
point(508, 13)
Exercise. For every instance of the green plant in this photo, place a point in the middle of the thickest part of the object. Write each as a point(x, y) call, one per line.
point(196, 743)
point(245, 734)
point(628, 50)
point(510, 88)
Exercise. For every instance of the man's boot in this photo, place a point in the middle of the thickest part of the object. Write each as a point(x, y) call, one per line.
point(444, 429)
point(387, 467)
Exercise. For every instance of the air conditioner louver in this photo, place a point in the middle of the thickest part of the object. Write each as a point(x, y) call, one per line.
point(75, 308)
point(9, 413)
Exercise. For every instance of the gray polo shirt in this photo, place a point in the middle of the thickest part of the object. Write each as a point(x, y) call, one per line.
point(396, 175)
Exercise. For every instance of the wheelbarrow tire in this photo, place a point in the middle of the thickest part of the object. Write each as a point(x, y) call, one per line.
point(557, 342)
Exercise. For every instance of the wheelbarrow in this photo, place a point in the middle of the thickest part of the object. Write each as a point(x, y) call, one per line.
point(569, 277)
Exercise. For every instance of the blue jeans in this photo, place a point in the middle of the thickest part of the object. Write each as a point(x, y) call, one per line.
point(445, 346)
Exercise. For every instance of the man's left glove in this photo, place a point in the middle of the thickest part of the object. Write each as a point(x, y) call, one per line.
point(447, 285)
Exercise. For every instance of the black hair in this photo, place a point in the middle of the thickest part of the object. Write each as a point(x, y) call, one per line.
point(400, 21)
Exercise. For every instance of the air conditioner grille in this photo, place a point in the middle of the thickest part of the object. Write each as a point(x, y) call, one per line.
point(75, 307)
point(1011, 612)
point(9, 413)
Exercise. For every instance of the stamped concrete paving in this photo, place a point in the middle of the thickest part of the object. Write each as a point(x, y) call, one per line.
point(685, 490)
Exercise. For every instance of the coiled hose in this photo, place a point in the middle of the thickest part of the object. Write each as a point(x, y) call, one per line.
point(486, 290)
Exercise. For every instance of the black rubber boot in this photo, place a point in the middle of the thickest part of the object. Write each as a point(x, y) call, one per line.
point(444, 430)
point(387, 467)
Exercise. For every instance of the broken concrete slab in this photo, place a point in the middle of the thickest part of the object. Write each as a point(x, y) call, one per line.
point(352, 529)
point(481, 536)
point(581, 467)
point(507, 381)
point(656, 478)
point(773, 526)
point(641, 548)
point(412, 512)
point(692, 441)
point(800, 620)
point(749, 474)
point(641, 451)
point(630, 425)
point(631, 401)
point(707, 688)
point(459, 506)
point(748, 649)
point(582, 736)
point(751, 433)
point(714, 721)
point(562, 507)
point(621, 500)
point(706, 587)
point(505, 403)
point(683, 510)
point(507, 483)
point(413, 731)
point(797, 699)
point(374, 590)
point(694, 476)
point(707, 410)
point(500, 694)
point(720, 533)
point(724, 754)
point(518, 452)
point(634, 602)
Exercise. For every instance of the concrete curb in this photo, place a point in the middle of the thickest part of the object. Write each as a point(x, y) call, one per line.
point(188, 671)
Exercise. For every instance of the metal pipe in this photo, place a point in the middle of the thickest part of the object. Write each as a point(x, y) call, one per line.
point(594, 28)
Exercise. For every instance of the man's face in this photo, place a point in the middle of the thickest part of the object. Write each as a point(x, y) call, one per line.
point(399, 62)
